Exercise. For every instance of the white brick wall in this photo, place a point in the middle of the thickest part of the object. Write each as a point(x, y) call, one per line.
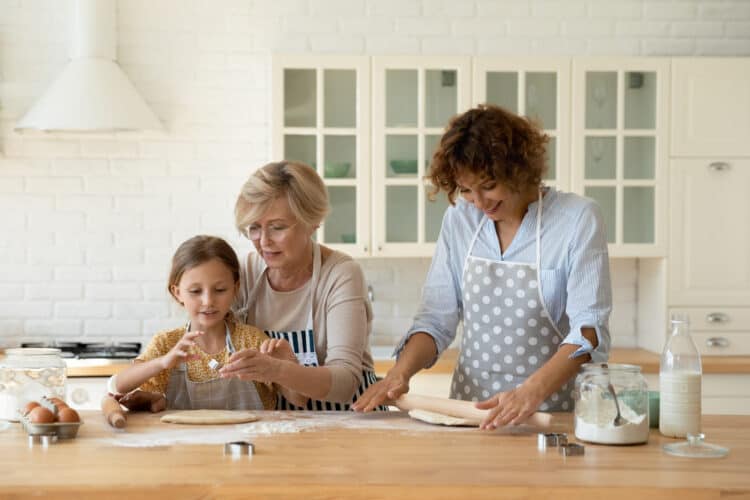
point(90, 221)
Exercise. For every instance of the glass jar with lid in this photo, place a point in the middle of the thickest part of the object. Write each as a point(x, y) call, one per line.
point(611, 404)
point(27, 374)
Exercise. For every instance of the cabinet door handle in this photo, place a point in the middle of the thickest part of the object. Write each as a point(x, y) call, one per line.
point(719, 166)
point(717, 318)
point(717, 342)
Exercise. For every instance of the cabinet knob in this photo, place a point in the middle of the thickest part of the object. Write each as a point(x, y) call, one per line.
point(717, 342)
point(717, 317)
point(719, 166)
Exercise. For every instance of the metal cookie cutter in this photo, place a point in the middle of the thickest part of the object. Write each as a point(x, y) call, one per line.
point(572, 449)
point(551, 439)
point(237, 449)
point(42, 439)
point(214, 365)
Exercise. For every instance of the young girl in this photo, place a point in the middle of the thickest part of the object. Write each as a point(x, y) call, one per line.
point(182, 364)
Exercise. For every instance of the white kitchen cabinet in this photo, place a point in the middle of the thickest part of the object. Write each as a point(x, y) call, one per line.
point(321, 117)
point(711, 107)
point(413, 100)
point(709, 259)
point(538, 88)
point(619, 152)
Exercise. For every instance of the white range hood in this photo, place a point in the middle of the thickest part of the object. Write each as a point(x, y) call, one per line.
point(92, 94)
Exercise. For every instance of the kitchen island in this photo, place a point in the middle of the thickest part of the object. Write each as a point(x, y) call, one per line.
point(308, 455)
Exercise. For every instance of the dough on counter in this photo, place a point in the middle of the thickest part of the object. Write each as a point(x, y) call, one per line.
point(210, 417)
point(438, 418)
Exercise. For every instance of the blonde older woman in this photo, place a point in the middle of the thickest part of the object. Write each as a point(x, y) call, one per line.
point(309, 299)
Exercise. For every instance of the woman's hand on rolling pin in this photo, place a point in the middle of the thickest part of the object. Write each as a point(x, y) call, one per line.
point(511, 407)
point(251, 364)
point(383, 392)
point(139, 400)
point(181, 352)
point(279, 349)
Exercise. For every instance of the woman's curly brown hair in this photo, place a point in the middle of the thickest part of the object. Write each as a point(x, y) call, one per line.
point(492, 143)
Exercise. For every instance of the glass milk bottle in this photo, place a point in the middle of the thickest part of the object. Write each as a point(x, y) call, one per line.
point(680, 382)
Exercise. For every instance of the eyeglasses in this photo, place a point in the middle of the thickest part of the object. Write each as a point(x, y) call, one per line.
point(275, 232)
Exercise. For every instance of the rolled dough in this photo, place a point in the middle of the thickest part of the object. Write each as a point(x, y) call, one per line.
point(209, 417)
point(438, 418)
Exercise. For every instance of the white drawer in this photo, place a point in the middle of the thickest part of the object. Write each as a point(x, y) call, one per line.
point(716, 319)
point(722, 343)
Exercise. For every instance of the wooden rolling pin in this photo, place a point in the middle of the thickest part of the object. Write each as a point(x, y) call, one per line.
point(461, 409)
point(113, 412)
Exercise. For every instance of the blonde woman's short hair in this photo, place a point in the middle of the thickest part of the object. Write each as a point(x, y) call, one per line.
point(304, 190)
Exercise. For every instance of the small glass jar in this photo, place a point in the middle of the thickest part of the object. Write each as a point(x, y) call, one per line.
point(601, 388)
point(27, 374)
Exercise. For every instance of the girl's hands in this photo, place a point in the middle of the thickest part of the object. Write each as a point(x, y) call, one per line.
point(279, 349)
point(512, 407)
point(181, 352)
point(139, 400)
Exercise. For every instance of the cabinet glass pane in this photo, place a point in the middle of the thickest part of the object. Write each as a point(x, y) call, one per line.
point(401, 214)
point(401, 155)
point(401, 98)
point(606, 197)
point(340, 153)
point(640, 99)
point(341, 223)
point(441, 96)
point(639, 157)
point(601, 158)
point(502, 90)
point(638, 214)
point(551, 174)
point(340, 98)
point(299, 97)
point(300, 148)
point(431, 143)
point(433, 214)
point(601, 99)
point(541, 98)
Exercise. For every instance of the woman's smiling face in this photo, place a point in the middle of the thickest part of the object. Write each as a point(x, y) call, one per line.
point(282, 241)
point(498, 202)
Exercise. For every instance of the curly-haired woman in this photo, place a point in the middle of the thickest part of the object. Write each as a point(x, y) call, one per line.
point(523, 267)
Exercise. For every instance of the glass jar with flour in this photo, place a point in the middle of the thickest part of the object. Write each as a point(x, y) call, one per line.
point(27, 374)
point(611, 404)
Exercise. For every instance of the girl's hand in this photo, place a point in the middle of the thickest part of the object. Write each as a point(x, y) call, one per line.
point(279, 349)
point(141, 400)
point(251, 364)
point(382, 393)
point(181, 352)
point(510, 408)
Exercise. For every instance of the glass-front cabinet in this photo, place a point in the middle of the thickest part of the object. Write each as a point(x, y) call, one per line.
point(619, 148)
point(413, 100)
point(321, 118)
point(538, 88)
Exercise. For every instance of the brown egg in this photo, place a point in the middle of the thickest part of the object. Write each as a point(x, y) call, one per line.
point(68, 415)
point(41, 415)
point(29, 406)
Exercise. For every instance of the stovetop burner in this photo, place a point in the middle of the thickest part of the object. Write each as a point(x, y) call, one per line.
point(92, 350)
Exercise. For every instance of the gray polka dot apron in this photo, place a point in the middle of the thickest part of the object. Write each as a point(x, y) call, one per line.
point(303, 344)
point(216, 394)
point(507, 331)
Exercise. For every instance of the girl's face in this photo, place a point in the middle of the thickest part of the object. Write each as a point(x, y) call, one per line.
point(497, 201)
point(207, 292)
point(279, 237)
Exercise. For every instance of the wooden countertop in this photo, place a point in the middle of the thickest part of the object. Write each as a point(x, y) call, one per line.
point(648, 361)
point(369, 463)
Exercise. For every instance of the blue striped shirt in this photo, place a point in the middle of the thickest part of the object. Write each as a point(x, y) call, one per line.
point(574, 269)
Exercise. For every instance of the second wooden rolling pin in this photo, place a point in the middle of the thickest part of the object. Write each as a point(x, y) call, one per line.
point(113, 412)
point(461, 409)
